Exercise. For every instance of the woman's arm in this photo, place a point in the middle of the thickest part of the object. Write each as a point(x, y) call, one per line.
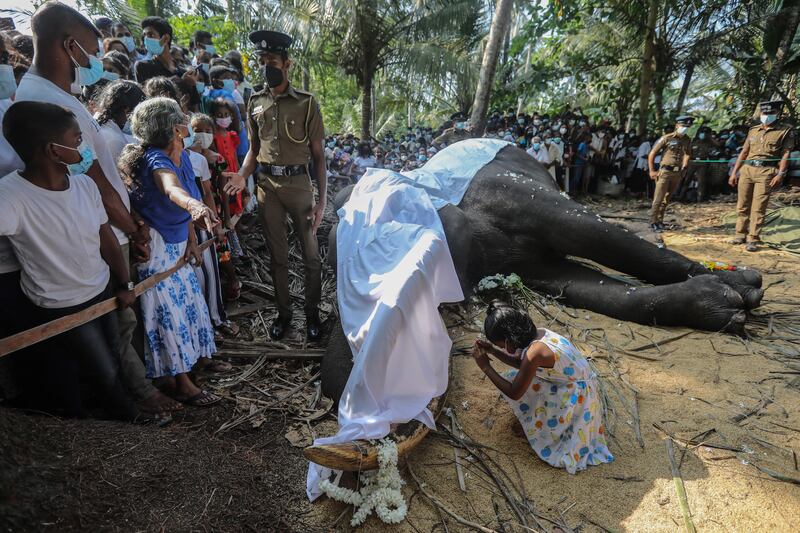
point(169, 184)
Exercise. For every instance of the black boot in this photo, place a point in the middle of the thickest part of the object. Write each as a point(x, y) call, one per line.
point(313, 326)
point(279, 327)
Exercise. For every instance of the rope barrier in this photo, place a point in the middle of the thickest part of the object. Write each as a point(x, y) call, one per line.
point(37, 334)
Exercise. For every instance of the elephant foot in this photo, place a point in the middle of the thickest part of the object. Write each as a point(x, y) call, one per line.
point(747, 277)
point(716, 305)
point(746, 282)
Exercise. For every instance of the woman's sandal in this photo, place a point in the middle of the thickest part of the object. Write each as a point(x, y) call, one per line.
point(202, 399)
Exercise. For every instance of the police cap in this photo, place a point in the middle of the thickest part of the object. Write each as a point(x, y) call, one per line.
point(270, 41)
point(685, 120)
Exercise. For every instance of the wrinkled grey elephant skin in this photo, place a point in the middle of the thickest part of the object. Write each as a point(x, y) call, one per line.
point(514, 219)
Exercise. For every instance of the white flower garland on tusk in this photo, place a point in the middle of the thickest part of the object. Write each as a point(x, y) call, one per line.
point(380, 490)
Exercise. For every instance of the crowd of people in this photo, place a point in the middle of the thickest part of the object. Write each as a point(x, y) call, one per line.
point(584, 156)
point(121, 158)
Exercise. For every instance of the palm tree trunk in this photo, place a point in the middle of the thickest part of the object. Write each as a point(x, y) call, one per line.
point(646, 81)
point(520, 101)
point(687, 79)
point(775, 73)
point(500, 22)
point(366, 105)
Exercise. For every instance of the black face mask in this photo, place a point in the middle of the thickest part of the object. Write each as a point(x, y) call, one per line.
point(272, 75)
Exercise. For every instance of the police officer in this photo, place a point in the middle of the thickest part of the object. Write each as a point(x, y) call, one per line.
point(676, 150)
point(458, 132)
point(286, 135)
point(762, 164)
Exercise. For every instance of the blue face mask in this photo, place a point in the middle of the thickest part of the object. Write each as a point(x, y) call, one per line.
point(126, 128)
point(129, 43)
point(210, 48)
point(201, 87)
point(701, 136)
point(536, 146)
point(188, 141)
point(229, 85)
point(557, 140)
point(153, 46)
point(110, 76)
point(87, 158)
point(86, 76)
point(8, 84)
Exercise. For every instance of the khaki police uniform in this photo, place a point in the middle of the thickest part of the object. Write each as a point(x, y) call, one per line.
point(285, 125)
point(765, 142)
point(673, 148)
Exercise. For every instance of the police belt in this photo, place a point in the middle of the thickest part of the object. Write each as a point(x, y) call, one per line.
point(669, 168)
point(283, 170)
point(760, 163)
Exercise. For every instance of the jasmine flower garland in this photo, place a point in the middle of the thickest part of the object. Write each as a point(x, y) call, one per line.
point(380, 490)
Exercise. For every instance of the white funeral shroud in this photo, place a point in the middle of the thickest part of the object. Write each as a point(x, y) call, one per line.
point(393, 270)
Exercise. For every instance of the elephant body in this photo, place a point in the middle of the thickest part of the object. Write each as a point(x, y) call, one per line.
point(513, 218)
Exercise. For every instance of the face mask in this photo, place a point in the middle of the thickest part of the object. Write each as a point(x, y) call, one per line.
point(200, 86)
point(536, 146)
point(701, 136)
point(272, 75)
point(521, 121)
point(87, 158)
point(681, 130)
point(554, 127)
point(536, 122)
point(85, 76)
point(8, 84)
point(459, 125)
point(581, 123)
point(229, 85)
point(422, 158)
point(563, 131)
point(556, 140)
point(203, 140)
point(723, 137)
point(153, 46)
point(130, 45)
point(204, 67)
point(331, 144)
point(188, 141)
point(224, 123)
point(110, 76)
point(571, 122)
point(126, 128)
point(601, 134)
point(768, 119)
point(210, 48)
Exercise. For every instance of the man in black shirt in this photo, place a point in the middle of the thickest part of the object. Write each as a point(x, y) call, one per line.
point(157, 37)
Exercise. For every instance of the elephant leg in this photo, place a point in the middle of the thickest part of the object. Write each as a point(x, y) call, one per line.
point(702, 302)
point(587, 235)
point(336, 363)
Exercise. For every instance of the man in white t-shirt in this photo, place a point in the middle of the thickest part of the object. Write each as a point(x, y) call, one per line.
point(65, 43)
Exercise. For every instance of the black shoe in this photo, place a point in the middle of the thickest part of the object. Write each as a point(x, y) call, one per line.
point(313, 327)
point(279, 327)
point(656, 228)
point(660, 227)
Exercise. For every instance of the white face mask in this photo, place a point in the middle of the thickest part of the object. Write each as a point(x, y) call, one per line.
point(681, 130)
point(224, 122)
point(8, 84)
point(768, 119)
point(203, 140)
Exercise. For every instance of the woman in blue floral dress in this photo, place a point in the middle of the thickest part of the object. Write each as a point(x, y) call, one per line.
point(553, 390)
point(178, 329)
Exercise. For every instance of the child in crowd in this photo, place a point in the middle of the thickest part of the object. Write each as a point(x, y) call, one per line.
point(53, 214)
point(200, 155)
point(553, 390)
point(226, 140)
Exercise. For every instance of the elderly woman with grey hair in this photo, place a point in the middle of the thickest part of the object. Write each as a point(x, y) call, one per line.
point(178, 329)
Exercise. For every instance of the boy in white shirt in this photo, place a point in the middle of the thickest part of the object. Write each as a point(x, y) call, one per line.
point(54, 217)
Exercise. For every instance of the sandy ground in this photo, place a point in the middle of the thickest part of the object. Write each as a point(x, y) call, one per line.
point(84, 475)
point(699, 383)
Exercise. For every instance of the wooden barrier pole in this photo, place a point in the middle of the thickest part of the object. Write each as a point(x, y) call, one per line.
point(29, 337)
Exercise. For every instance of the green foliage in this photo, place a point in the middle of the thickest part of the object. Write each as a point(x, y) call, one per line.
point(227, 35)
